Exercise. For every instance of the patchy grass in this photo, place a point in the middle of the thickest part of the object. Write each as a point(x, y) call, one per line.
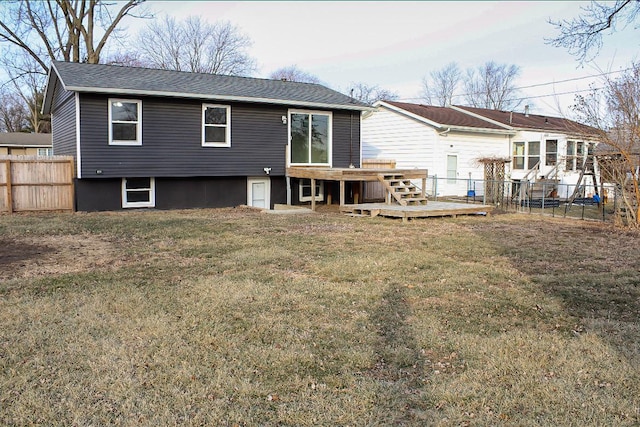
point(232, 317)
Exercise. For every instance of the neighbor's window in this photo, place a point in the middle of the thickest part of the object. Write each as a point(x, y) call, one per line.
point(138, 192)
point(46, 152)
point(310, 138)
point(551, 152)
point(518, 155)
point(125, 122)
point(216, 125)
point(570, 162)
point(534, 154)
point(305, 190)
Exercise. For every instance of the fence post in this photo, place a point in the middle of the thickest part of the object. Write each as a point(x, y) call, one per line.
point(9, 189)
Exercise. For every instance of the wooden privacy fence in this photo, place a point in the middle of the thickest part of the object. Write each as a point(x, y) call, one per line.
point(33, 183)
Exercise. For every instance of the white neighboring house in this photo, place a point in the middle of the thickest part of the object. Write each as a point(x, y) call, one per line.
point(546, 147)
point(445, 141)
point(449, 141)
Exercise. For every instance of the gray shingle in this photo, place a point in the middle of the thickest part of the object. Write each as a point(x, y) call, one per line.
point(99, 78)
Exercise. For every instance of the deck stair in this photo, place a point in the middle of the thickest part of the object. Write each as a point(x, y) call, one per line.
point(402, 190)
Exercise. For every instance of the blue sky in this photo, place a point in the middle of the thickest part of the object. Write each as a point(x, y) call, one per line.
point(395, 44)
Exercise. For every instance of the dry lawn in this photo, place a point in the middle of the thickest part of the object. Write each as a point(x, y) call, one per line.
point(233, 317)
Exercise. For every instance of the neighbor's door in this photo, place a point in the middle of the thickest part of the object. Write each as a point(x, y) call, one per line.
point(258, 192)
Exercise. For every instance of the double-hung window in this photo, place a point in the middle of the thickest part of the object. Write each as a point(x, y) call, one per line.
point(518, 155)
point(310, 136)
point(216, 125)
point(551, 152)
point(533, 155)
point(570, 162)
point(125, 122)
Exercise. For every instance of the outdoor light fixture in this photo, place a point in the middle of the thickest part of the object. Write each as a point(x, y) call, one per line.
point(267, 170)
point(284, 120)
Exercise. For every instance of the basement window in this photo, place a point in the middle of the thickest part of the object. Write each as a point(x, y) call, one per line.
point(305, 190)
point(138, 192)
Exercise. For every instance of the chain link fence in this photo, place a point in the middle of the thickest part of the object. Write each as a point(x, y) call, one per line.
point(570, 201)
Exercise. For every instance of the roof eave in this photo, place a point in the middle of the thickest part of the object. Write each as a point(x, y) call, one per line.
point(116, 91)
point(481, 130)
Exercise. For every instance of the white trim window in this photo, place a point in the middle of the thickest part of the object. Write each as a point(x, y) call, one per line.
point(518, 155)
point(216, 125)
point(304, 194)
point(138, 192)
point(45, 152)
point(125, 122)
point(310, 138)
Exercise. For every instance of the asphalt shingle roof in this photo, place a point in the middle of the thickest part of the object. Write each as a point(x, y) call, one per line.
point(100, 78)
point(446, 116)
point(532, 121)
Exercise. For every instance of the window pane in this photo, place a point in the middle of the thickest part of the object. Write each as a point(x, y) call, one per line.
point(125, 131)
point(138, 196)
point(124, 111)
point(518, 162)
point(518, 148)
point(534, 148)
point(299, 138)
point(319, 138)
point(137, 183)
point(215, 116)
point(215, 134)
point(532, 161)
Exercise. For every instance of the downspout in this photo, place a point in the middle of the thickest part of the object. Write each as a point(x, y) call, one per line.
point(351, 134)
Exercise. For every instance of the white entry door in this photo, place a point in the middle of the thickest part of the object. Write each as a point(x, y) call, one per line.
point(258, 192)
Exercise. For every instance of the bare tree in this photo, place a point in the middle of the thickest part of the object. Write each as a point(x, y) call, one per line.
point(62, 29)
point(197, 46)
point(614, 110)
point(441, 85)
point(292, 73)
point(582, 36)
point(371, 93)
point(34, 33)
point(14, 116)
point(492, 86)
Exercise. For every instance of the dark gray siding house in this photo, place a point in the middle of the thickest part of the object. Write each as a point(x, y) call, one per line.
point(167, 139)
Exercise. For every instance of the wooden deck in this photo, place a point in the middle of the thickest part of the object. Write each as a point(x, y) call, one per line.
point(349, 174)
point(431, 209)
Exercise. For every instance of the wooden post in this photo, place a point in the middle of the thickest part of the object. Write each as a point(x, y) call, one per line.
point(341, 192)
point(9, 190)
point(313, 194)
point(424, 186)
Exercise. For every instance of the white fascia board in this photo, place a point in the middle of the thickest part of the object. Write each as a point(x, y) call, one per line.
point(481, 117)
point(483, 130)
point(48, 95)
point(111, 91)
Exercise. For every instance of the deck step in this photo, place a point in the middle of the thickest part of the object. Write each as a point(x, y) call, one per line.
point(403, 191)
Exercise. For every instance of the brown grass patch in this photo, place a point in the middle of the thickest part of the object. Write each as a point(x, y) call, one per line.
point(232, 317)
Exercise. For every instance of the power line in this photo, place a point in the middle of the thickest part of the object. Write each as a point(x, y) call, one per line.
point(544, 84)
